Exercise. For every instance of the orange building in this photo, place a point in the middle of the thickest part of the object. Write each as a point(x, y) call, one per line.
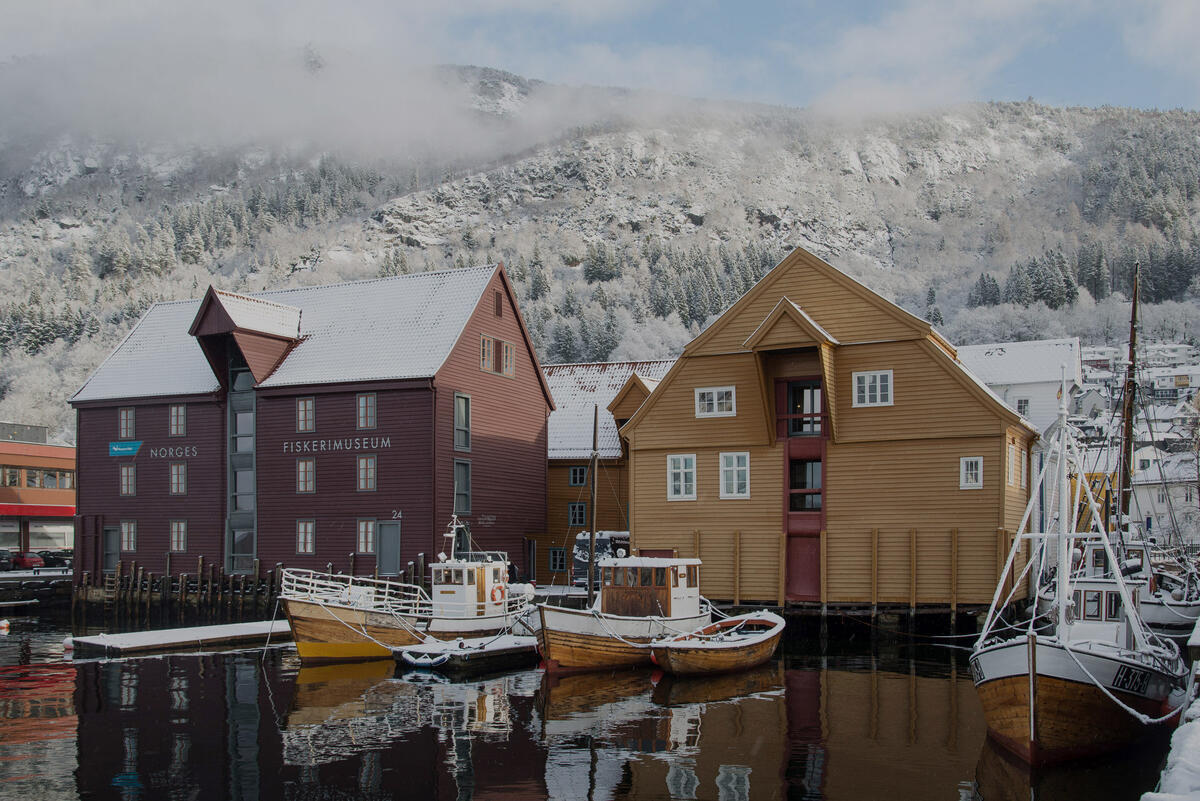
point(37, 491)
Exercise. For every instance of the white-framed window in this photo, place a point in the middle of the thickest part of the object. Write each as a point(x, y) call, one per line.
point(1189, 493)
point(462, 487)
point(179, 478)
point(128, 535)
point(873, 388)
point(735, 475)
point(125, 423)
point(178, 536)
point(306, 415)
point(366, 410)
point(1162, 494)
point(462, 422)
point(487, 355)
point(558, 560)
point(576, 514)
point(366, 473)
point(306, 536)
point(508, 361)
point(1023, 407)
point(1024, 469)
point(177, 427)
point(366, 536)
point(577, 476)
point(681, 477)
point(716, 401)
point(306, 475)
point(970, 472)
point(1012, 463)
point(129, 479)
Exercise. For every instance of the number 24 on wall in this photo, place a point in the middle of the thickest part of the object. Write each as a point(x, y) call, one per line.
point(396, 514)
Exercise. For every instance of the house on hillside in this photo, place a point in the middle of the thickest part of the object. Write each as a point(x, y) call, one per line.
point(1028, 375)
point(615, 390)
point(817, 443)
point(330, 425)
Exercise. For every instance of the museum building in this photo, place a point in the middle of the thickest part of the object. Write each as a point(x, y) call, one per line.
point(333, 425)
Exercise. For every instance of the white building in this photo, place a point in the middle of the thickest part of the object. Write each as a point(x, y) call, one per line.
point(1028, 375)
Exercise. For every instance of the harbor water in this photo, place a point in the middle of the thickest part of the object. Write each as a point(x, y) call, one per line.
point(850, 718)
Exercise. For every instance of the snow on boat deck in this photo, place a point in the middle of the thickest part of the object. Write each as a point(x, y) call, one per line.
point(1181, 777)
point(164, 640)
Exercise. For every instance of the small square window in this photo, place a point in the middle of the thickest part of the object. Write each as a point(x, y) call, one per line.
point(716, 401)
point(306, 536)
point(178, 536)
point(178, 421)
point(306, 475)
point(366, 473)
point(681, 477)
point(576, 514)
point(558, 560)
point(577, 476)
point(873, 388)
point(306, 415)
point(366, 536)
point(366, 410)
point(125, 423)
point(970, 472)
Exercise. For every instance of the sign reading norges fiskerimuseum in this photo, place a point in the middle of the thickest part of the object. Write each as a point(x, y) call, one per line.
point(344, 444)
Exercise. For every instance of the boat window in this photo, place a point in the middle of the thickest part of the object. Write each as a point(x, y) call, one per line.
point(495, 575)
point(646, 576)
point(619, 577)
point(470, 576)
point(1136, 553)
point(456, 576)
point(1114, 606)
point(1076, 602)
point(660, 577)
point(438, 578)
point(693, 576)
point(1091, 605)
point(607, 574)
point(1100, 562)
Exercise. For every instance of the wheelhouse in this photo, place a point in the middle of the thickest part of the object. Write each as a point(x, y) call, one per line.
point(472, 584)
point(650, 586)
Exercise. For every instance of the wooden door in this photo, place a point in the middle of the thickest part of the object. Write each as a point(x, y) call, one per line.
point(389, 548)
point(112, 548)
point(804, 568)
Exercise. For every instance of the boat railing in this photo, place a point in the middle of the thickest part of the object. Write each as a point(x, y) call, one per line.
point(360, 592)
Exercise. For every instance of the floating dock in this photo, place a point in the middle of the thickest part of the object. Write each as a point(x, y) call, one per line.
point(470, 656)
point(235, 635)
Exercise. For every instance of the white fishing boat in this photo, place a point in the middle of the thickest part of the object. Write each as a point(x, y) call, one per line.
point(641, 599)
point(335, 617)
point(1088, 676)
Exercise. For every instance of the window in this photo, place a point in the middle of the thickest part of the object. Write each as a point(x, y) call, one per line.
point(10, 476)
point(462, 488)
point(125, 426)
point(306, 532)
point(497, 356)
point(1023, 407)
point(366, 536)
point(576, 514)
point(178, 421)
point(128, 479)
point(716, 402)
point(1113, 601)
point(509, 367)
point(970, 472)
point(306, 414)
point(243, 490)
point(681, 477)
point(306, 475)
point(366, 473)
point(735, 475)
point(1143, 464)
point(33, 477)
point(179, 478)
point(1024, 469)
point(1189, 494)
point(178, 536)
point(577, 476)
point(486, 353)
point(1012, 463)
point(366, 410)
point(128, 535)
point(1162, 495)
point(66, 479)
point(558, 560)
point(873, 388)
point(498, 300)
point(804, 485)
point(462, 422)
point(804, 409)
point(1091, 605)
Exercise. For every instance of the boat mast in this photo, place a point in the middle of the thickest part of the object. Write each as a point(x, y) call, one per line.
point(1064, 559)
point(1126, 476)
point(591, 595)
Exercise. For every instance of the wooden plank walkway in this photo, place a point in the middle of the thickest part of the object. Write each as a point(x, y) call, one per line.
point(235, 635)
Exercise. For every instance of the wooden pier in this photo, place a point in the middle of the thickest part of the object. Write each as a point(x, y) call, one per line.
point(138, 643)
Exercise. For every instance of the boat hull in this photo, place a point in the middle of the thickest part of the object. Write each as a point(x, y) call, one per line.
point(329, 633)
point(1073, 717)
point(686, 656)
point(575, 640)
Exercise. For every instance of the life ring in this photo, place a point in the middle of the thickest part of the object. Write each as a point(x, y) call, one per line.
point(498, 593)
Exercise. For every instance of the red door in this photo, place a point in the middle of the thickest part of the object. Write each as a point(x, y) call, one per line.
point(804, 568)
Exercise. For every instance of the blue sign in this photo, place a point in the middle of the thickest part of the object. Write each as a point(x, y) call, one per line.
point(124, 448)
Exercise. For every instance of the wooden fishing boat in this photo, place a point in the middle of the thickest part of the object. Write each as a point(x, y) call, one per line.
point(339, 618)
point(1067, 685)
point(641, 599)
point(735, 643)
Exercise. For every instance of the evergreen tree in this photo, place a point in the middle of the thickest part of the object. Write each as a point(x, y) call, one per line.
point(539, 280)
point(1018, 289)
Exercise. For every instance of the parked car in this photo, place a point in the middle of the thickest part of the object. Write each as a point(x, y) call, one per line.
point(55, 558)
point(26, 560)
point(5, 560)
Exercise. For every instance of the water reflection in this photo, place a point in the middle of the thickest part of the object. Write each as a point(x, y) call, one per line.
point(894, 722)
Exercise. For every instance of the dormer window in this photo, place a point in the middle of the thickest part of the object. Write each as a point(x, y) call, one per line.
point(716, 402)
point(873, 388)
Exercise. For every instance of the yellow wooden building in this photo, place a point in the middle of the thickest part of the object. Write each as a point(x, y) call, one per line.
point(817, 443)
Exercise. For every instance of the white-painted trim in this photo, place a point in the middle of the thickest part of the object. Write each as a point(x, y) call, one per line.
point(963, 483)
point(695, 476)
point(732, 390)
point(891, 388)
point(721, 476)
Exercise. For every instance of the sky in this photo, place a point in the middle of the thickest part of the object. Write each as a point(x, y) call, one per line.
point(237, 62)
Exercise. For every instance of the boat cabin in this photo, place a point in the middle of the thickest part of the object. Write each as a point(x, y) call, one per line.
point(472, 584)
point(642, 586)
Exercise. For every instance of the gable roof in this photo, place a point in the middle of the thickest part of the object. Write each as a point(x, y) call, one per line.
point(579, 387)
point(786, 309)
point(381, 329)
point(250, 313)
point(1033, 362)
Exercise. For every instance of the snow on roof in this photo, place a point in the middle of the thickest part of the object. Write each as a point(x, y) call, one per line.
point(1024, 362)
point(979, 382)
point(257, 314)
point(576, 389)
point(386, 328)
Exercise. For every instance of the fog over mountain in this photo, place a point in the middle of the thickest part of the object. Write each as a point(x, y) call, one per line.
point(627, 219)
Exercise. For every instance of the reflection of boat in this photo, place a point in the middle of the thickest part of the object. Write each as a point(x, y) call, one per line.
point(475, 656)
point(561, 697)
point(335, 617)
point(1096, 678)
point(728, 645)
point(641, 599)
point(679, 690)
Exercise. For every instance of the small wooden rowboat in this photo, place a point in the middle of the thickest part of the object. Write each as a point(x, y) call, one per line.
point(735, 643)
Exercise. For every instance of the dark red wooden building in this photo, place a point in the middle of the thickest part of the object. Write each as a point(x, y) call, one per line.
point(331, 424)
